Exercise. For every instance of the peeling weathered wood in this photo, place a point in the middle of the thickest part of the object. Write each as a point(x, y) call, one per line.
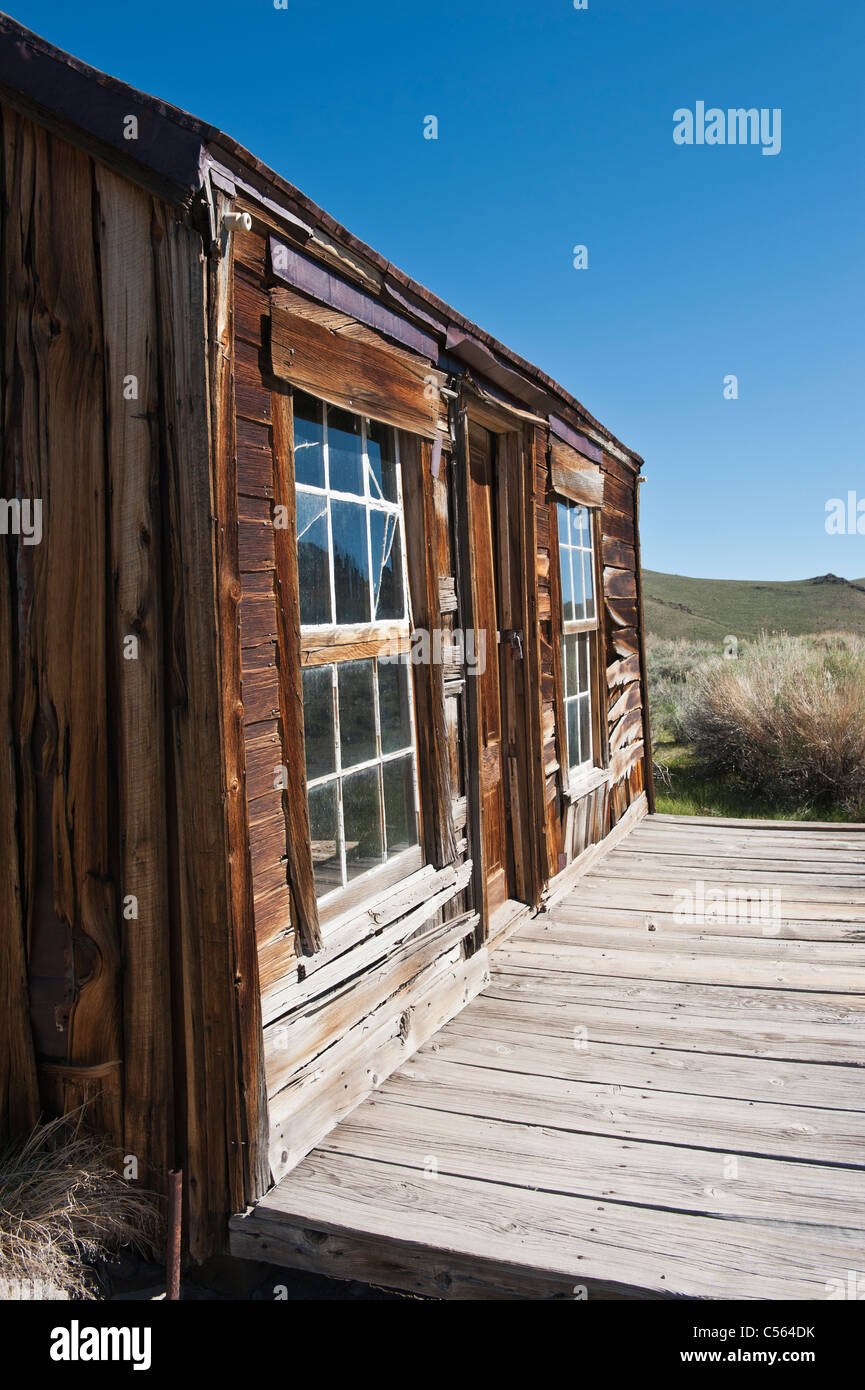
point(132, 448)
point(300, 871)
point(436, 820)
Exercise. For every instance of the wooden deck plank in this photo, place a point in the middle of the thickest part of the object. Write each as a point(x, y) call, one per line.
point(630, 1112)
point(837, 871)
point(637, 1113)
point(546, 1232)
point(512, 1046)
point(737, 1036)
point(668, 1176)
point(701, 941)
point(590, 915)
point(684, 966)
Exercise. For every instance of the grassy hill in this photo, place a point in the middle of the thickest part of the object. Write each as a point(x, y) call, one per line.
point(677, 606)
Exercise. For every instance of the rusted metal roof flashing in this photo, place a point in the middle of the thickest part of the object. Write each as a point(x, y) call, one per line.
point(180, 151)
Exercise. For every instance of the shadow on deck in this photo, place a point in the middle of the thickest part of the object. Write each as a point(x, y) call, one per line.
point(638, 1104)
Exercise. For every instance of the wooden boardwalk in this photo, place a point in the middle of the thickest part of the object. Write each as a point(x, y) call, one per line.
point(636, 1105)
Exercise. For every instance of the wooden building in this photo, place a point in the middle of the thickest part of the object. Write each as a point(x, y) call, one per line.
point(325, 669)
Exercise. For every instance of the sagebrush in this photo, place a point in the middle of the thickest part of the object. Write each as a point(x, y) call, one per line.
point(787, 719)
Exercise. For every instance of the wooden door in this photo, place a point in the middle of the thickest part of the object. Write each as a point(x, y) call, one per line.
point(492, 791)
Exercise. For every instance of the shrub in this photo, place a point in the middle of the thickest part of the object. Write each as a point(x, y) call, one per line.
point(670, 664)
point(787, 719)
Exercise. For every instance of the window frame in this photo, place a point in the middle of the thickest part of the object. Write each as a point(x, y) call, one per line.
point(576, 776)
point(336, 644)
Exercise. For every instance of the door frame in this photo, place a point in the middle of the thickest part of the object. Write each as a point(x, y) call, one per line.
point(515, 438)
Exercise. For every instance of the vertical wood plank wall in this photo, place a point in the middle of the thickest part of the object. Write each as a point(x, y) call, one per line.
point(116, 882)
point(574, 822)
point(161, 951)
point(394, 962)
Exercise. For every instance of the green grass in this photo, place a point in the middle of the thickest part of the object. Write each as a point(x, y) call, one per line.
point(681, 790)
point(708, 610)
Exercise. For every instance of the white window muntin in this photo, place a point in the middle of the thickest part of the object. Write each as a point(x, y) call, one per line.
point(371, 503)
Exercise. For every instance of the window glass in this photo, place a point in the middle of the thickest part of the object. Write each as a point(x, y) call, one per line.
point(564, 527)
point(361, 802)
point(312, 558)
point(308, 441)
point(324, 838)
point(386, 565)
point(567, 586)
point(393, 703)
point(576, 664)
point(576, 562)
point(344, 451)
point(588, 584)
point(382, 461)
point(350, 562)
point(399, 807)
point(356, 712)
point(318, 721)
point(570, 664)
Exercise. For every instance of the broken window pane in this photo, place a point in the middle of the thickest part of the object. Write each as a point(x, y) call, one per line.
point(382, 460)
point(386, 565)
point(312, 567)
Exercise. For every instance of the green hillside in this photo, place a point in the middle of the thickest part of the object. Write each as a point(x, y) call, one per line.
point(677, 606)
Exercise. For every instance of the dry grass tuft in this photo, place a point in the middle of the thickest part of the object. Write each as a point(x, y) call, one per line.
point(63, 1205)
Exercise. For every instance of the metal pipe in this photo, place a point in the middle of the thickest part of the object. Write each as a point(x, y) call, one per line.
point(172, 1256)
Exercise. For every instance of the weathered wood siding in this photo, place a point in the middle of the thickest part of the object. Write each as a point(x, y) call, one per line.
point(119, 872)
point(577, 821)
point(344, 1004)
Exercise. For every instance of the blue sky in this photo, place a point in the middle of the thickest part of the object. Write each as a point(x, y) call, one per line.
point(555, 128)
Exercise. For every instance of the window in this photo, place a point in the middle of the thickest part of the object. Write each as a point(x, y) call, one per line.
point(579, 625)
point(349, 551)
point(358, 714)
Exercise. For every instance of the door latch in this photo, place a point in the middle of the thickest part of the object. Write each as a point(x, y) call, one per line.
point(514, 637)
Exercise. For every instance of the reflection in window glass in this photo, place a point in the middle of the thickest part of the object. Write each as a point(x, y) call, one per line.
point(323, 837)
point(386, 565)
point(312, 566)
point(382, 460)
point(318, 721)
point(570, 666)
point(393, 703)
point(356, 712)
point(576, 664)
point(308, 441)
point(344, 451)
point(349, 553)
point(567, 586)
point(400, 817)
point(589, 583)
point(577, 570)
point(576, 562)
point(361, 809)
point(350, 562)
point(360, 766)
